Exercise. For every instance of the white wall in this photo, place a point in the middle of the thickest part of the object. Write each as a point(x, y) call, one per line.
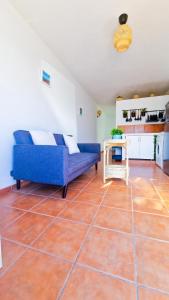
point(25, 102)
point(86, 123)
point(106, 122)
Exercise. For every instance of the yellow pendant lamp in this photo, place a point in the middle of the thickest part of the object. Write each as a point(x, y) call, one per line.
point(123, 35)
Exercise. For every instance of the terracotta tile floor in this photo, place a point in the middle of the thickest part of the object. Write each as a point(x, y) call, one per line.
point(104, 242)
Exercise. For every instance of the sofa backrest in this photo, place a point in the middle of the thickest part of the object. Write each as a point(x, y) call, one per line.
point(24, 137)
point(59, 139)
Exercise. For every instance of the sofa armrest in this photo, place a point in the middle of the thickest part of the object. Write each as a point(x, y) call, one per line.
point(38, 163)
point(89, 147)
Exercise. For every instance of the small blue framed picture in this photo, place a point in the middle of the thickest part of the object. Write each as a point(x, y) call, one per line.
point(46, 77)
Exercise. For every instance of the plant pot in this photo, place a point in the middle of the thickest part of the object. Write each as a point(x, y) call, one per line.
point(125, 114)
point(143, 113)
point(133, 114)
point(117, 137)
point(161, 114)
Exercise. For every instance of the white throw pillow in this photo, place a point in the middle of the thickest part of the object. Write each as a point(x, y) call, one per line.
point(71, 144)
point(40, 137)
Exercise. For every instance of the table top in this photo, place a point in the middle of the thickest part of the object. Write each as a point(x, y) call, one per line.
point(119, 142)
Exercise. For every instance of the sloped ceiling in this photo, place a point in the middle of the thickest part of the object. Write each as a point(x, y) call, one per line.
point(80, 32)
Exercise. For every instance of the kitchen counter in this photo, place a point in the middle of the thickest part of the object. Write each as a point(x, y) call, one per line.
point(145, 134)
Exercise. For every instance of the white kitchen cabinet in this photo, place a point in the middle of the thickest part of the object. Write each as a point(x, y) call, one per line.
point(140, 146)
point(133, 146)
point(147, 146)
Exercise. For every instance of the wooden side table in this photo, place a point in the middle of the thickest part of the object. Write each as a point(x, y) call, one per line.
point(115, 170)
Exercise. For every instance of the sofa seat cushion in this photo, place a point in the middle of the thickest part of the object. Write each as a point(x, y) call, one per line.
point(80, 160)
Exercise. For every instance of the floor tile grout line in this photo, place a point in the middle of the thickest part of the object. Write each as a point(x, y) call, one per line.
point(136, 235)
point(144, 237)
point(154, 289)
point(13, 263)
point(46, 227)
point(161, 198)
point(24, 209)
point(79, 202)
point(58, 217)
point(82, 244)
point(129, 234)
point(134, 247)
point(73, 202)
point(30, 211)
point(148, 238)
point(52, 195)
point(13, 221)
point(43, 231)
point(116, 208)
point(31, 247)
point(149, 213)
point(39, 214)
point(45, 198)
point(79, 191)
point(40, 202)
point(84, 266)
point(73, 221)
point(60, 295)
point(74, 199)
point(55, 218)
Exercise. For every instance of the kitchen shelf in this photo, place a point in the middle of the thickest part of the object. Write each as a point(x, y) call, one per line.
point(136, 109)
point(149, 116)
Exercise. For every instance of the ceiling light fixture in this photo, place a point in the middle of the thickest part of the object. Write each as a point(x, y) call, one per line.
point(123, 34)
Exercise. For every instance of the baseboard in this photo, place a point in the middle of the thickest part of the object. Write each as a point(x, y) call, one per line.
point(6, 189)
point(9, 188)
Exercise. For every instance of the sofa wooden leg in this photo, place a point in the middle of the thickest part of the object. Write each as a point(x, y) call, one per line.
point(96, 166)
point(64, 192)
point(18, 184)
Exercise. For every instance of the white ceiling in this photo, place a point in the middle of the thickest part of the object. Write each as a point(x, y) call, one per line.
point(80, 33)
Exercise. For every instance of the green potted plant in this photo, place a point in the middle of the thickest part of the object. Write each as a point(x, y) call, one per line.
point(125, 113)
point(143, 112)
point(116, 133)
point(133, 113)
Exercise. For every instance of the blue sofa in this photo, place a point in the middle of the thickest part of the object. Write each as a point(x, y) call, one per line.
point(50, 164)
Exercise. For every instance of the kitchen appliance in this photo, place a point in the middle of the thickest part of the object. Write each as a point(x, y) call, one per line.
point(159, 149)
point(166, 141)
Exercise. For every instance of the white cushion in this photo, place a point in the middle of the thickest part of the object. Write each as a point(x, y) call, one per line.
point(40, 137)
point(71, 144)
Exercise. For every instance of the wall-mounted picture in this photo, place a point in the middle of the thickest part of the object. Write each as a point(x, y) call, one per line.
point(46, 78)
